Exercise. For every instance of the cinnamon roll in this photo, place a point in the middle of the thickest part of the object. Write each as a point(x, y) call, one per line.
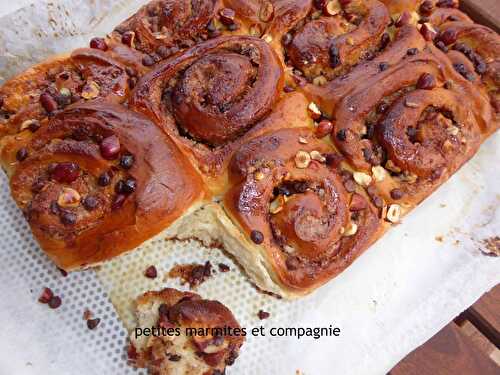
point(303, 218)
point(309, 126)
point(210, 96)
point(98, 180)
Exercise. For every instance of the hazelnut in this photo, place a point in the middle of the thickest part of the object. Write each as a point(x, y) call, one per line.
point(324, 128)
point(267, 38)
point(90, 90)
point(362, 179)
point(316, 155)
point(33, 125)
point(314, 111)
point(350, 230)
point(320, 81)
point(277, 204)
point(266, 12)
point(302, 140)
point(410, 104)
point(69, 198)
point(302, 159)
point(392, 167)
point(332, 8)
point(379, 173)
point(255, 30)
point(394, 213)
point(259, 176)
point(453, 130)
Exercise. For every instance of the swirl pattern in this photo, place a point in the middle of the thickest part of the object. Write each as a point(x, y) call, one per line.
point(298, 131)
point(97, 181)
point(296, 208)
point(209, 96)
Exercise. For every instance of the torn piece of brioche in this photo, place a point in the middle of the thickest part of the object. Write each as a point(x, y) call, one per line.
point(168, 339)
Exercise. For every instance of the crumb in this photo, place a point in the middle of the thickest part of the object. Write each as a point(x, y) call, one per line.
point(224, 267)
point(93, 323)
point(63, 272)
point(491, 246)
point(87, 314)
point(442, 205)
point(151, 272)
point(192, 274)
point(263, 315)
point(439, 238)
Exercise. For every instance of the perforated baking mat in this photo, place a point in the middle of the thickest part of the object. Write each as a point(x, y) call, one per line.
point(404, 289)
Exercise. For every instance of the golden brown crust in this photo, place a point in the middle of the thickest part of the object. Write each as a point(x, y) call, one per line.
point(298, 211)
point(202, 354)
point(404, 90)
point(65, 166)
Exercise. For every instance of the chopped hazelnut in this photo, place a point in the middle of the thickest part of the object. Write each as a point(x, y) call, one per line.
point(68, 198)
point(362, 179)
point(320, 81)
point(316, 155)
point(332, 8)
point(302, 140)
point(91, 90)
point(302, 159)
point(379, 173)
point(259, 176)
point(394, 213)
point(277, 204)
point(350, 230)
point(392, 167)
point(314, 111)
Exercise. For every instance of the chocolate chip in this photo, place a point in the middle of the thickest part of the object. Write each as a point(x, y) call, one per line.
point(383, 66)
point(104, 179)
point(288, 89)
point(174, 358)
point(90, 203)
point(1, 102)
point(128, 38)
point(334, 56)
point(397, 194)
point(378, 201)
point(68, 218)
point(93, 323)
point(263, 315)
point(126, 161)
point(324, 128)
point(54, 208)
point(223, 267)
point(151, 272)
point(385, 40)
point(341, 135)
point(98, 43)
point(333, 159)
point(22, 154)
point(55, 302)
point(439, 44)
point(126, 186)
point(287, 39)
point(446, 4)
point(46, 295)
point(63, 272)
point(382, 107)
point(148, 60)
point(34, 126)
point(412, 51)
point(257, 237)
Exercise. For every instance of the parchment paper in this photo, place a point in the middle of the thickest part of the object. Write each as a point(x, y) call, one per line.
point(403, 290)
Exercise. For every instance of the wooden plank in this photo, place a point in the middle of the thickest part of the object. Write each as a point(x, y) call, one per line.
point(449, 352)
point(486, 12)
point(485, 315)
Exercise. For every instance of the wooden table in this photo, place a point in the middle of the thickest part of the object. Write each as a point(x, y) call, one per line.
point(469, 345)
